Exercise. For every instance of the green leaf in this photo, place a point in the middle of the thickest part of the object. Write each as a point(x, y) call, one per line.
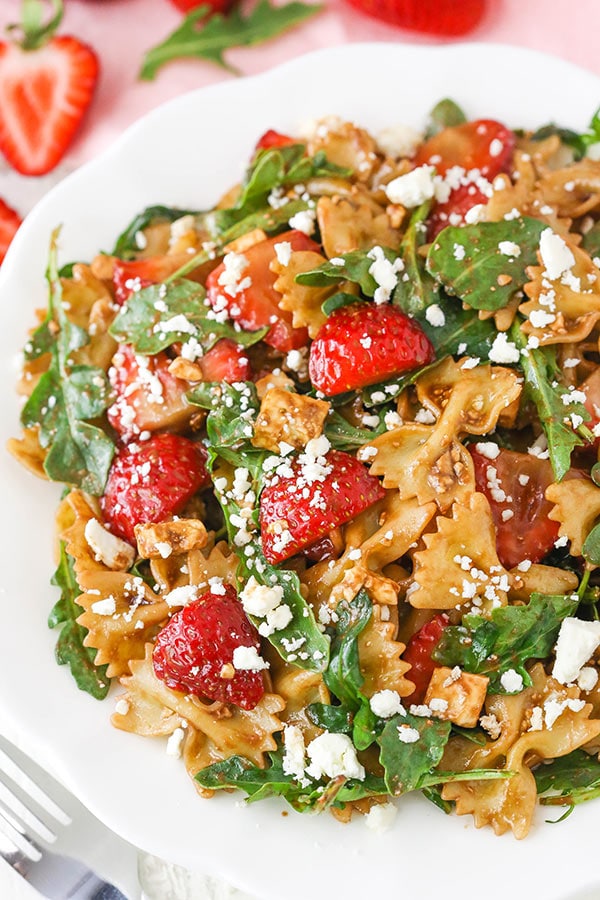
point(337, 719)
point(591, 240)
point(513, 636)
point(591, 546)
point(67, 395)
point(469, 263)
point(579, 143)
point(233, 410)
point(336, 301)
point(407, 765)
point(416, 289)
point(207, 37)
point(573, 779)
point(382, 393)
point(126, 246)
point(160, 315)
point(343, 677)
point(444, 114)
point(344, 436)
point(463, 332)
point(355, 268)
point(69, 648)
point(545, 389)
point(434, 795)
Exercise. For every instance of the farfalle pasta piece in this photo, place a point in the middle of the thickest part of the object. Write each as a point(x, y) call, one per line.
point(428, 461)
point(556, 722)
point(540, 579)
point(28, 452)
point(195, 568)
point(573, 190)
point(121, 613)
point(289, 418)
point(347, 145)
point(303, 301)
point(90, 306)
point(228, 729)
point(563, 309)
point(348, 224)
point(576, 508)
point(299, 688)
point(459, 564)
point(76, 511)
point(402, 522)
point(380, 657)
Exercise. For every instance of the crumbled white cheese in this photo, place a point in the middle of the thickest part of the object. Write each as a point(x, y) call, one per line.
point(304, 221)
point(577, 641)
point(108, 548)
point(247, 659)
point(283, 252)
point(181, 596)
point(412, 189)
point(556, 256)
point(503, 350)
point(509, 248)
point(294, 756)
point(435, 315)
point(386, 704)
point(174, 743)
point(408, 735)
point(588, 678)
point(105, 607)
point(488, 449)
point(332, 755)
point(399, 140)
point(381, 817)
point(511, 681)
point(259, 599)
point(122, 707)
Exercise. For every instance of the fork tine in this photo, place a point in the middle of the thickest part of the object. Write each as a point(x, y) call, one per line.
point(24, 814)
point(20, 778)
point(11, 828)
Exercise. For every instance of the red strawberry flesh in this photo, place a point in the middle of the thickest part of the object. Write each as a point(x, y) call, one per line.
point(194, 652)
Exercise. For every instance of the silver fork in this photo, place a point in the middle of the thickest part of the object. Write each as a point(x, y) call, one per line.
point(31, 821)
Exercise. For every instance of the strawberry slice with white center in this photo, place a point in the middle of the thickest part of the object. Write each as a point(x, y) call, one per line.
point(46, 85)
point(311, 496)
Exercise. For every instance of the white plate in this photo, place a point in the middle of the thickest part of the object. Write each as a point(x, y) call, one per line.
point(186, 153)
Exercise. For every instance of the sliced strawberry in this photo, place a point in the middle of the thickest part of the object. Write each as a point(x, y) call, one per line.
point(195, 651)
point(243, 285)
point(152, 482)
point(485, 144)
point(148, 396)
point(272, 139)
point(220, 6)
point(418, 654)
point(321, 493)
point(9, 225)
point(515, 486)
point(130, 276)
point(363, 344)
point(441, 17)
point(46, 85)
point(226, 361)
point(454, 210)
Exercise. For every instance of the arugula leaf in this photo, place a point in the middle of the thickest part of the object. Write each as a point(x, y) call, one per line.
point(480, 274)
point(434, 795)
point(508, 640)
point(337, 719)
point(126, 245)
point(381, 394)
point(275, 167)
point(229, 428)
point(591, 546)
point(161, 315)
point(406, 765)
point(544, 388)
point(416, 289)
point(573, 778)
point(207, 37)
point(336, 301)
point(444, 114)
point(463, 332)
point(579, 143)
point(344, 436)
point(69, 648)
point(343, 677)
point(355, 268)
point(65, 397)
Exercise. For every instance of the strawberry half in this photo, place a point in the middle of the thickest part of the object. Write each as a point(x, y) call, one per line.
point(322, 492)
point(363, 344)
point(9, 225)
point(46, 85)
point(448, 18)
point(195, 651)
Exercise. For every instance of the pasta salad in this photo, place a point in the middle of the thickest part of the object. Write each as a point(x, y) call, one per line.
point(330, 450)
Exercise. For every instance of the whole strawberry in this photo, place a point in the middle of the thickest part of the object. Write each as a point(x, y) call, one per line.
point(46, 85)
point(446, 18)
point(9, 225)
point(195, 651)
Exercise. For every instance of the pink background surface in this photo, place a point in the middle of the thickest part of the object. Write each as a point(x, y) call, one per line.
point(121, 31)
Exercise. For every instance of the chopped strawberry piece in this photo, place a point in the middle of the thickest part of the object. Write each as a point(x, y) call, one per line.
point(440, 17)
point(363, 344)
point(272, 139)
point(130, 276)
point(152, 482)
point(226, 361)
point(9, 225)
point(195, 651)
point(454, 210)
point(243, 286)
point(44, 93)
point(322, 492)
point(515, 486)
point(148, 397)
point(418, 654)
point(591, 389)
